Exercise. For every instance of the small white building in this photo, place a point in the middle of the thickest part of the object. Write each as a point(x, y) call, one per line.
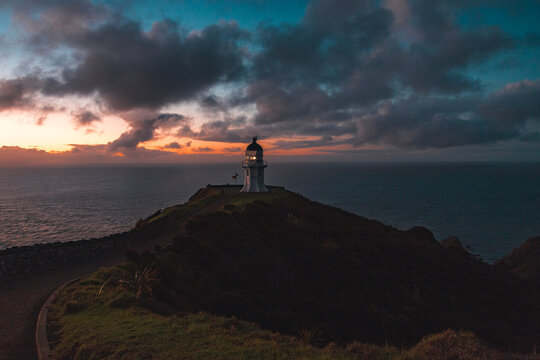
point(254, 168)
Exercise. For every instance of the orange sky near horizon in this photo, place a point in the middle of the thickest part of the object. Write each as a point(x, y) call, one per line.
point(58, 135)
point(58, 132)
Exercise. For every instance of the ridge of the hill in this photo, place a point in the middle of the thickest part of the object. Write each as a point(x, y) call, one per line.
point(289, 263)
point(279, 275)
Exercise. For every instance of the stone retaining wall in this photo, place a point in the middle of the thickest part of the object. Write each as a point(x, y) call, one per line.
point(20, 260)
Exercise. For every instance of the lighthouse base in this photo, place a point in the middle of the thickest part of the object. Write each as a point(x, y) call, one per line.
point(254, 179)
point(253, 188)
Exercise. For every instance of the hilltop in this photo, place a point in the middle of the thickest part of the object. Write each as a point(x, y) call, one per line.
point(524, 261)
point(278, 263)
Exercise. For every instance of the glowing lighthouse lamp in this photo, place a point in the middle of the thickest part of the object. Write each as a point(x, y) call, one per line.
point(254, 168)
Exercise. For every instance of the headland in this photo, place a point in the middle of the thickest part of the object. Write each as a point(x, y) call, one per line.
point(283, 269)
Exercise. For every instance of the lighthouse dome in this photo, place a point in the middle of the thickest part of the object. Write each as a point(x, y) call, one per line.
point(254, 146)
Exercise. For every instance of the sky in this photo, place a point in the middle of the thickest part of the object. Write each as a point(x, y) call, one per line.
point(153, 82)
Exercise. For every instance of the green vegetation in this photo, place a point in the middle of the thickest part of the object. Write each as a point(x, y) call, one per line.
point(276, 276)
point(242, 199)
point(96, 322)
point(203, 197)
point(93, 321)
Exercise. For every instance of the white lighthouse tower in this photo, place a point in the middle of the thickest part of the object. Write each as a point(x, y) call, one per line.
point(254, 168)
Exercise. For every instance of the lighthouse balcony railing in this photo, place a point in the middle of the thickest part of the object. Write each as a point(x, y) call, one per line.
point(254, 163)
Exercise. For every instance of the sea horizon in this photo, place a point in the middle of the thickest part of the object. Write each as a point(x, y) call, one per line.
point(490, 206)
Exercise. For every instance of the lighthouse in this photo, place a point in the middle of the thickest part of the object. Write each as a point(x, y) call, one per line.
point(254, 168)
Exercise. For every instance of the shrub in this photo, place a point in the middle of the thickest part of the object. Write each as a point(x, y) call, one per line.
point(123, 300)
point(451, 345)
point(73, 307)
point(371, 351)
point(309, 336)
point(141, 280)
point(140, 223)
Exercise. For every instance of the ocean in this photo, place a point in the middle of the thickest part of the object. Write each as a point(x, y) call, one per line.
point(492, 208)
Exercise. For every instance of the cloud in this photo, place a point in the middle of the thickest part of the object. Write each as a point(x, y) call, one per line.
point(351, 53)
point(53, 23)
point(513, 105)
point(414, 122)
point(204, 149)
point(173, 145)
point(81, 154)
point(434, 64)
point(18, 93)
point(41, 120)
point(325, 140)
point(212, 103)
point(144, 130)
point(85, 118)
point(338, 64)
point(391, 73)
point(424, 123)
point(129, 68)
point(421, 122)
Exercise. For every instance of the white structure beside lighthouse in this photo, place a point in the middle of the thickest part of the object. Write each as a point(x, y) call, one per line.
point(254, 168)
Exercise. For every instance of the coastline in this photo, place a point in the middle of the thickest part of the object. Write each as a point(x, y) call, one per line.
point(36, 287)
point(24, 294)
point(24, 260)
point(443, 283)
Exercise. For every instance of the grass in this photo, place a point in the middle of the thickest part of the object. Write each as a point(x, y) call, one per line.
point(216, 292)
point(242, 199)
point(112, 326)
point(203, 198)
point(96, 322)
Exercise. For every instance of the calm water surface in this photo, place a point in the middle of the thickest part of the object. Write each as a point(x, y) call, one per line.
point(493, 208)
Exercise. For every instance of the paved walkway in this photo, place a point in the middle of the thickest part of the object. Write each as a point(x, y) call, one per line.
point(22, 298)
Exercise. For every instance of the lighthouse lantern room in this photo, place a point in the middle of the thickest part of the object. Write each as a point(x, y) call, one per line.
point(254, 168)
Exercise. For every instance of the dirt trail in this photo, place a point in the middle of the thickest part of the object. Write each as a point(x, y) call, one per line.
point(22, 298)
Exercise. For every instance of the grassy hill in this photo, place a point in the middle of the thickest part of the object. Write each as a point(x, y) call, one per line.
point(279, 276)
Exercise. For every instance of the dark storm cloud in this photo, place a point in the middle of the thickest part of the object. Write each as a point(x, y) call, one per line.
point(386, 72)
point(323, 47)
point(349, 51)
point(211, 102)
point(144, 130)
point(129, 68)
point(513, 105)
point(434, 62)
point(52, 23)
point(317, 77)
point(423, 123)
point(327, 74)
point(276, 104)
point(18, 93)
point(228, 130)
point(416, 122)
point(441, 122)
point(85, 118)
point(427, 69)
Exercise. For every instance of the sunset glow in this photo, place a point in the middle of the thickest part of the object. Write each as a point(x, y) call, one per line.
point(368, 80)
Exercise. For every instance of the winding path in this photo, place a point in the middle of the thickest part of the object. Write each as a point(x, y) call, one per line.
point(22, 298)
